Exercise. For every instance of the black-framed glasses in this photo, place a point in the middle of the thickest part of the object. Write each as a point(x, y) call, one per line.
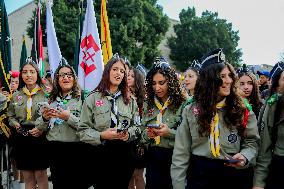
point(69, 75)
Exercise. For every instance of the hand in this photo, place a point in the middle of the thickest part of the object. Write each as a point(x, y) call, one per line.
point(240, 163)
point(62, 114)
point(151, 132)
point(17, 127)
point(110, 134)
point(47, 114)
point(163, 130)
point(35, 132)
point(123, 135)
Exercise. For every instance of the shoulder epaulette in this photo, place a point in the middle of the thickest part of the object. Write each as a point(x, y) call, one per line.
point(271, 100)
point(247, 104)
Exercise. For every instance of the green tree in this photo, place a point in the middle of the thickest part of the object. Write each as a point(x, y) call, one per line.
point(137, 27)
point(196, 36)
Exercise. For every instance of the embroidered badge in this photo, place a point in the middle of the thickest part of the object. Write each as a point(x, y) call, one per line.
point(151, 112)
point(99, 103)
point(19, 97)
point(232, 138)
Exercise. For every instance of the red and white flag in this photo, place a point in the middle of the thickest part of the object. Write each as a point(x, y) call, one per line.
point(91, 66)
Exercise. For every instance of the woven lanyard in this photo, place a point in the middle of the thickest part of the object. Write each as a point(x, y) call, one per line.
point(214, 131)
point(114, 112)
point(61, 101)
point(160, 115)
point(30, 100)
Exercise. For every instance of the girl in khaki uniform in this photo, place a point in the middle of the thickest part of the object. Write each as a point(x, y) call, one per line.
point(108, 122)
point(61, 120)
point(161, 114)
point(218, 137)
point(269, 168)
point(30, 147)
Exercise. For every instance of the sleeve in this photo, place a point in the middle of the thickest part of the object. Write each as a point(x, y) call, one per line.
point(264, 154)
point(250, 141)
point(177, 121)
point(181, 153)
point(11, 113)
point(40, 124)
point(86, 128)
point(74, 117)
point(3, 102)
point(134, 131)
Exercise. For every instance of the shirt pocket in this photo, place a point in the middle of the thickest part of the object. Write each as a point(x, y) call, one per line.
point(230, 141)
point(125, 118)
point(102, 118)
point(19, 106)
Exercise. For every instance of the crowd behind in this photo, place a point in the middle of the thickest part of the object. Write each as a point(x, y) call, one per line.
point(219, 127)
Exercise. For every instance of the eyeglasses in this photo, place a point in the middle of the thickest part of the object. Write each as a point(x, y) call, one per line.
point(69, 75)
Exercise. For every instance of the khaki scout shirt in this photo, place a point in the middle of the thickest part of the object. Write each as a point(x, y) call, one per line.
point(3, 102)
point(170, 118)
point(67, 130)
point(188, 141)
point(265, 151)
point(96, 117)
point(17, 111)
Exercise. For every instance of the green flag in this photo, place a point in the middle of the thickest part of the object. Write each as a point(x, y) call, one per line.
point(23, 53)
point(5, 47)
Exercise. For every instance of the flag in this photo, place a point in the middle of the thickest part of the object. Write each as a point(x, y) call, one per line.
point(40, 47)
point(5, 47)
point(91, 64)
point(105, 33)
point(23, 53)
point(54, 53)
point(78, 37)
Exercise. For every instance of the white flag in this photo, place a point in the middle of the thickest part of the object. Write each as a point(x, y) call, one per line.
point(54, 54)
point(90, 68)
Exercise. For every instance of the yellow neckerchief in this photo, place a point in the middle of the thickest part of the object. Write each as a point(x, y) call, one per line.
point(4, 128)
point(214, 131)
point(160, 115)
point(30, 100)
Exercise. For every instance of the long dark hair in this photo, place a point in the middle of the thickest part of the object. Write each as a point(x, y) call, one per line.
point(38, 81)
point(76, 92)
point(254, 97)
point(174, 89)
point(275, 83)
point(104, 85)
point(139, 88)
point(206, 95)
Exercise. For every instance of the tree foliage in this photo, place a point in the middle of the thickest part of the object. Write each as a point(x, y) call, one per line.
point(136, 27)
point(196, 36)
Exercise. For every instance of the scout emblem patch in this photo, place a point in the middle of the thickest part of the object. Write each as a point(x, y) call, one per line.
point(19, 97)
point(232, 138)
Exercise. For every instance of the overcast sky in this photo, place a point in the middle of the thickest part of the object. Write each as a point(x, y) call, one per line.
point(259, 22)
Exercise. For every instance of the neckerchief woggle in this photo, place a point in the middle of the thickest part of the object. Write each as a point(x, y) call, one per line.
point(160, 115)
point(30, 100)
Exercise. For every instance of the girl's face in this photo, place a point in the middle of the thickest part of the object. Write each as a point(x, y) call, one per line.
point(246, 85)
point(190, 80)
point(160, 86)
point(130, 79)
point(65, 79)
point(29, 75)
point(280, 88)
point(14, 84)
point(227, 79)
point(116, 74)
